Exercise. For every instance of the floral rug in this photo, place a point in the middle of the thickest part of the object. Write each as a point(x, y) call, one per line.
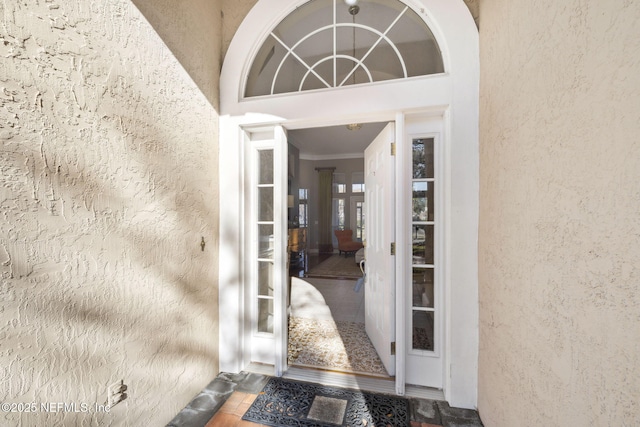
point(337, 266)
point(333, 345)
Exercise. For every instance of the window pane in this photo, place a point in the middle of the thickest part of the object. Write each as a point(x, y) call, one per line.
point(384, 63)
point(360, 221)
point(266, 166)
point(423, 295)
point(265, 241)
point(265, 204)
point(290, 75)
point(423, 326)
point(357, 182)
point(265, 315)
point(265, 278)
point(264, 67)
point(338, 216)
point(339, 183)
point(422, 244)
point(419, 49)
point(422, 201)
point(423, 158)
point(302, 214)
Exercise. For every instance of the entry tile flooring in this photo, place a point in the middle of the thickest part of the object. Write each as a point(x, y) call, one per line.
point(226, 399)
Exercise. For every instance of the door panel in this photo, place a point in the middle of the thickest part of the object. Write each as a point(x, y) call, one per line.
point(380, 270)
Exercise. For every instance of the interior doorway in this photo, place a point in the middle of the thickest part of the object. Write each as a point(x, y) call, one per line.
point(326, 322)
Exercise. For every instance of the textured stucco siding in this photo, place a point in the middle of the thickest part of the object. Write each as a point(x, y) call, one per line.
point(559, 213)
point(108, 166)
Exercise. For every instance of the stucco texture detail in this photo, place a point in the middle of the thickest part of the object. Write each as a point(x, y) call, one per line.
point(559, 206)
point(234, 12)
point(108, 159)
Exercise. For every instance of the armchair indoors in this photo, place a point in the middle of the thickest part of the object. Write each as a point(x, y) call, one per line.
point(346, 243)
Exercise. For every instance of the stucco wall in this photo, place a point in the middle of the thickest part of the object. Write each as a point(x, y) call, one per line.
point(192, 30)
point(108, 160)
point(234, 12)
point(560, 223)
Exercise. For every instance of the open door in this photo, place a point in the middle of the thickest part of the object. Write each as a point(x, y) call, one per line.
point(380, 319)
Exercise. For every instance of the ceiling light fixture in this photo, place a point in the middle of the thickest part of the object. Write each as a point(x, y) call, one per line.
point(354, 126)
point(353, 8)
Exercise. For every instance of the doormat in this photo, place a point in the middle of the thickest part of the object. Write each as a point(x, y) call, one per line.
point(290, 403)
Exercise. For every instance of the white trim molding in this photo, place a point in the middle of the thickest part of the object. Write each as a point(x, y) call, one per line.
point(453, 96)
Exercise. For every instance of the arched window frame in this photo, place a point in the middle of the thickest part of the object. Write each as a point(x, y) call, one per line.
point(382, 33)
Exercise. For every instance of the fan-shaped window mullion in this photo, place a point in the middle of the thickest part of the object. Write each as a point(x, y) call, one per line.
point(295, 55)
point(382, 37)
point(393, 29)
point(358, 62)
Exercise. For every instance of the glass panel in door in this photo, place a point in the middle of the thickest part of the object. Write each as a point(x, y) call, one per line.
point(423, 245)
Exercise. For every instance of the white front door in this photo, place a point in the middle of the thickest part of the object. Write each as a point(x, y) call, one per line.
point(380, 264)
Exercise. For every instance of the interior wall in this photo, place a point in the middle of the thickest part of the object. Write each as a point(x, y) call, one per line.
point(559, 203)
point(108, 157)
point(309, 180)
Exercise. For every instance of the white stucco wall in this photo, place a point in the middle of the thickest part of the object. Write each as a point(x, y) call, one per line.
point(559, 213)
point(108, 165)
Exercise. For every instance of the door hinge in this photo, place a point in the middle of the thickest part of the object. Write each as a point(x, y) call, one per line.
point(393, 148)
point(393, 348)
point(393, 248)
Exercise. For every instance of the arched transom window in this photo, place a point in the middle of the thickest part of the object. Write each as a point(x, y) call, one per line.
point(334, 43)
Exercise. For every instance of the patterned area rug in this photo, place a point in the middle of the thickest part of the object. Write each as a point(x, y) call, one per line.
point(337, 266)
point(333, 345)
point(290, 403)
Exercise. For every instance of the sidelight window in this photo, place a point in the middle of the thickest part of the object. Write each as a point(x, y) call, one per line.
point(423, 244)
point(265, 242)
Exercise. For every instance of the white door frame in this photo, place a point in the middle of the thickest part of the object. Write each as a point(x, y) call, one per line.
point(452, 95)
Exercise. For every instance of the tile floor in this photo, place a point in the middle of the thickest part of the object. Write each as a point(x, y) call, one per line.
point(225, 400)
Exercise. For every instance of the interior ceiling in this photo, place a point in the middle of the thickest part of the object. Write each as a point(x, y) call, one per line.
point(334, 142)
